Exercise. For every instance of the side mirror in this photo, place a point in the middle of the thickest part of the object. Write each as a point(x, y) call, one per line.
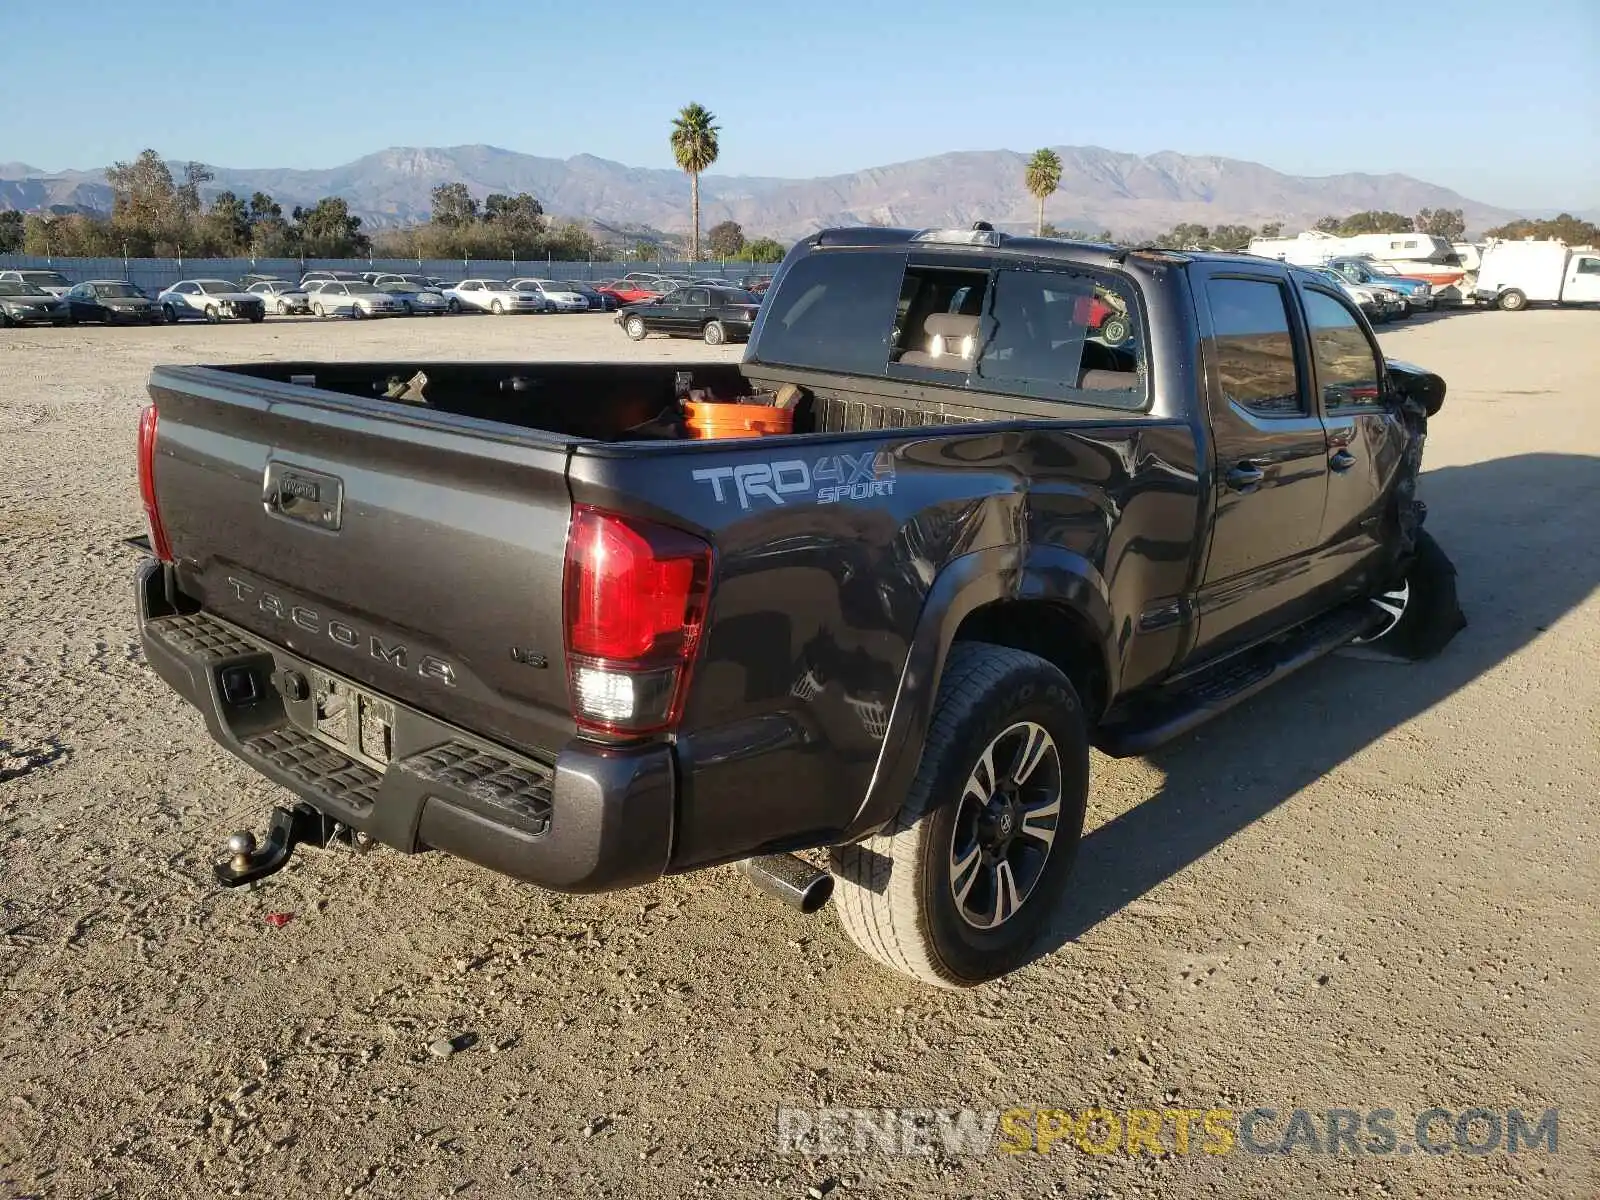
point(1418, 385)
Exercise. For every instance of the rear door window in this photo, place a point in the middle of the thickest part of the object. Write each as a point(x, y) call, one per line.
point(1253, 348)
point(834, 312)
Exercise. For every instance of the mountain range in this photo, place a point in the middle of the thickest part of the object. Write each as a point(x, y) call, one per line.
point(1129, 194)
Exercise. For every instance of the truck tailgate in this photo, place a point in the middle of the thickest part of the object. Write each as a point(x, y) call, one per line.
point(414, 552)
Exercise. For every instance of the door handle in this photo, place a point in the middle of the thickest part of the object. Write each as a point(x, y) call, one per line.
point(1342, 461)
point(1245, 476)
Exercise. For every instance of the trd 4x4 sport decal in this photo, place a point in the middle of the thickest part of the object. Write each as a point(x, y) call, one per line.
point(829, 480)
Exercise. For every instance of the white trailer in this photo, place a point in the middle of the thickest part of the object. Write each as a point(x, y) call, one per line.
point(1514, 275)
point(1414, 255)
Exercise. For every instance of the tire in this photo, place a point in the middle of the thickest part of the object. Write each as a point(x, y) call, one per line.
point(213, 316)
point(714, 333)
point(497, 308)
point(1423, 609)
point(283, 308)
point(634, 328)
point(897, 891)
point(170, 313)
point(317, 310)
point(454, 306)
point(1511, 300)
point(357, 313)
point(257, 317)
point(1115, 330)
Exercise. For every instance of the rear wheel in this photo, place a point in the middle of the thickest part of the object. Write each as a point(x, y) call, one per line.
point(961, 885)
point(715, 334)
point(1513, 301)
point(634, 328)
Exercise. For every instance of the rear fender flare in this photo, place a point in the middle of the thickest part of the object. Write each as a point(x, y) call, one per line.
point(964, 585)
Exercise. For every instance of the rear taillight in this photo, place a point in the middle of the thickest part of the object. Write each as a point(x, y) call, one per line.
point(634, 597)
point(147, 484)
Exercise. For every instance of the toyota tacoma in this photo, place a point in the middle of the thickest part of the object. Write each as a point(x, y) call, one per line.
point(520, 613)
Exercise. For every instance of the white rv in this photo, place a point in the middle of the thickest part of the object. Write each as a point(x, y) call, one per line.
point(1414, 255)
point(1514, 275)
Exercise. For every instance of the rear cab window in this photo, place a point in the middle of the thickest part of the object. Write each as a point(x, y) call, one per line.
point(1044, 331)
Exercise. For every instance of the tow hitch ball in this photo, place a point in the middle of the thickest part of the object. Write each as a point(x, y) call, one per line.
point(287, 828)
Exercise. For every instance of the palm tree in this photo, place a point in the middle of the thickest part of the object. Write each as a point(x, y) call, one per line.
point(1043, 176)
point(694, 145)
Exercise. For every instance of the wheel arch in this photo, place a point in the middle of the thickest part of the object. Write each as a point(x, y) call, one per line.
point(1052, 603)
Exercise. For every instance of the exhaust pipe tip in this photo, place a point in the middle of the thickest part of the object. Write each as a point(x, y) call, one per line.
point(790, 879)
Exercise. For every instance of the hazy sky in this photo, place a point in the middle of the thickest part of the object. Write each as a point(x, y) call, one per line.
point(1500, 101)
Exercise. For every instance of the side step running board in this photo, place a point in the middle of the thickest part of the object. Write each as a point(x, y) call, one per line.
point(1170, 714)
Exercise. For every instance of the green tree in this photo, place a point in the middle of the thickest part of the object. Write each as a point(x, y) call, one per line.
point(1565, 228)
point(195, 176)
point(725, 239)
point(263, 207)
point(328, 230)
point(1231, 237)
point(1328, 225)
point(1374, 221)
point(1272, 229)
point(1042, 177)
point(695, 147)
point(521, 210)
point(144, 204)
point(453, 206)
point(646, 251)
point(11, 231)
point(1184, 236)
point(227, 225)
point(1448, 223)
point(762, 250)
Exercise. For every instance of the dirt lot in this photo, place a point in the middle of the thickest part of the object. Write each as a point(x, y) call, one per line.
point(1374, 887)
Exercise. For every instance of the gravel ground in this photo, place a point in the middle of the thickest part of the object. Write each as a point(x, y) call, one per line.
point(1375, 887)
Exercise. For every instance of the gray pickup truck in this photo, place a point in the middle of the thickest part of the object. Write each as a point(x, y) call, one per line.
point(1039, 496)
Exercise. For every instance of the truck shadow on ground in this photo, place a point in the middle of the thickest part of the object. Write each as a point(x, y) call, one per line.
point(1522, 532)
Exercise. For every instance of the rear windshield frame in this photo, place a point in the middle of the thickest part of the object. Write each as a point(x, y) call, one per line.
point(1032, 398)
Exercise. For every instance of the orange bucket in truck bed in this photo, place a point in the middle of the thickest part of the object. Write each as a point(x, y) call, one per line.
point(711, 419)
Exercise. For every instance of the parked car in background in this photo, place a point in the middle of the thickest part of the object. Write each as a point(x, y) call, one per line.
point(630, 291)
point(716, 314)
point(1418, 293)
point(559, 295)
point(111, 301)
point(214, 299)
point(51, 283)
point(1379, 304)
point(492, 296)
point(756, 284)
point(598, 301)
point(320, 275)
point(353, 298)
point(1514, 275)
point(251, 277)
point(281, 296)
point(417, 300)
point(22, 303)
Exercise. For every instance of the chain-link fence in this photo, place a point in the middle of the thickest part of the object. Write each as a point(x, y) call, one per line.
point(151, 275)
